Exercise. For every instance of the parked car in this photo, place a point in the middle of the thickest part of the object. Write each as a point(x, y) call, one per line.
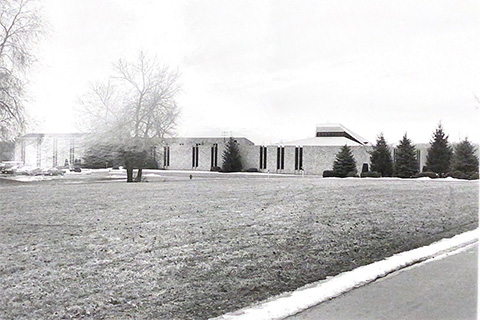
point(9, 167)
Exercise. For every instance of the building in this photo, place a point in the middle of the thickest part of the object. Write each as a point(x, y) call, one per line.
point(47, 150)
point(308, 156)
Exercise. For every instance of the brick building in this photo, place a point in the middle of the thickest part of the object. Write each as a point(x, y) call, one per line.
point(308, 156)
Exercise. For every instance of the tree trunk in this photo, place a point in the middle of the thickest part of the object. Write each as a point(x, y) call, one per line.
point(139, 175)
point(129, 174)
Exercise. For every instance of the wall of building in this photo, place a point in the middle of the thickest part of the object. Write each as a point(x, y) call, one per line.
point(181, 152)
point(49, 150)
point(39, 150)
point(316, 159)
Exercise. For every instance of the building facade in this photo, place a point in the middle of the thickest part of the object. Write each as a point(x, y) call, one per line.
point(42, 150)
point(308, 156)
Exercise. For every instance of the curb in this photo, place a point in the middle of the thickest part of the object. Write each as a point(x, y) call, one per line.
point(290, 303)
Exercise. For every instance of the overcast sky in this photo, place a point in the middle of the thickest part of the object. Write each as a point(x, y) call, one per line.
point(270, 70)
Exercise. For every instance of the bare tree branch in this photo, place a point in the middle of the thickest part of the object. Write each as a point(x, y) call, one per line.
point(20, 28)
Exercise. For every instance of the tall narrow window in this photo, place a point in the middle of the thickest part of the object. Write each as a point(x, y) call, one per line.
point(280, 158)
point(298, 158)
point(54, 152)
point(195, 156)
point(39, 152)
point(418, 159)
point(263, 157)
point(23, 151)
point(166, 156)
point(214, 156)
point(282, 163)
point(153, 151)
point(72, 152)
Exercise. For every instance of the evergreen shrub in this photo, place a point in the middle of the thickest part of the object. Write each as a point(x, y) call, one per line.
point(463, 175)
point(371, 174)
point(427, 174)
point(352, 174)
point(328, 174)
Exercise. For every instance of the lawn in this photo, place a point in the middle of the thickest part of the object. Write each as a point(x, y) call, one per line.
point(194, 249)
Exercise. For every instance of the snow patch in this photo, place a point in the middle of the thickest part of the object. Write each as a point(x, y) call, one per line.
point(291, 303)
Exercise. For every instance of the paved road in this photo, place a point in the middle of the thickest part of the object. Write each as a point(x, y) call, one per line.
point(438, 289)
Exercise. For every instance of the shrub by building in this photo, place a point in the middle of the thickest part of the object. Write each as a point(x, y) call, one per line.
point(344, 164)
point(232, 161)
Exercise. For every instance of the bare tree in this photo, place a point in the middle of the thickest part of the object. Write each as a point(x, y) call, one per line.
point(20, 28)
point(133, 111)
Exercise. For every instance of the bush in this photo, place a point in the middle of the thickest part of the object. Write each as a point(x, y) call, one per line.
point(371, 174)
point(251, 170)
point(428, 174)
point(473, 176)
point(216, 169)
point(328, 174)
point(463, 175)
point(352, 174)
point(457, 175)
point(344, 163)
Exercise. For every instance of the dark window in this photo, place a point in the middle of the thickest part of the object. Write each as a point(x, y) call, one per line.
point(280, 158)
point(337, 134)
point(195, 156)
point(298, 158)
point(214, 156)
point(166, 156)
point(263, 157)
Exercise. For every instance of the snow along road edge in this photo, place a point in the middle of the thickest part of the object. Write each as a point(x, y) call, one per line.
point(290, 303)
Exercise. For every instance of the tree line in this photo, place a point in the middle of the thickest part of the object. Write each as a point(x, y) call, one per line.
point(443, 159)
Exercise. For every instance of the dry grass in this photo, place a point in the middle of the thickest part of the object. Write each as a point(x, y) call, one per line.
point(194, 249)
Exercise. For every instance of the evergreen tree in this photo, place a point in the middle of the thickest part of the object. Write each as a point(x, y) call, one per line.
point(465, 158)
point(344, 163)
point(232, 160)
point(406, 164)
point(381, 158)
point(439, 155)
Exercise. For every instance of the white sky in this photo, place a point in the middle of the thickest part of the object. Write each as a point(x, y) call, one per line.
point(270, 70)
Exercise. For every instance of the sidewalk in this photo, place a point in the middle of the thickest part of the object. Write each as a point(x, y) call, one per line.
point(439, 288)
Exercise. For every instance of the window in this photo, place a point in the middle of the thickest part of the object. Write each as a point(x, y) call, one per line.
point(214, 156)
point(418, 159)
point(280, 158)
point(153, 153)
point(195, 156)
point(72, 151)
point(263, 157)
point(298, 158)
point(23, 151)
point(39, 153)
point(166, 156)
point(54, 152)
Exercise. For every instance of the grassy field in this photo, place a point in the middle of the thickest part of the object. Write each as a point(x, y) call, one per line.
point(176, 248)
